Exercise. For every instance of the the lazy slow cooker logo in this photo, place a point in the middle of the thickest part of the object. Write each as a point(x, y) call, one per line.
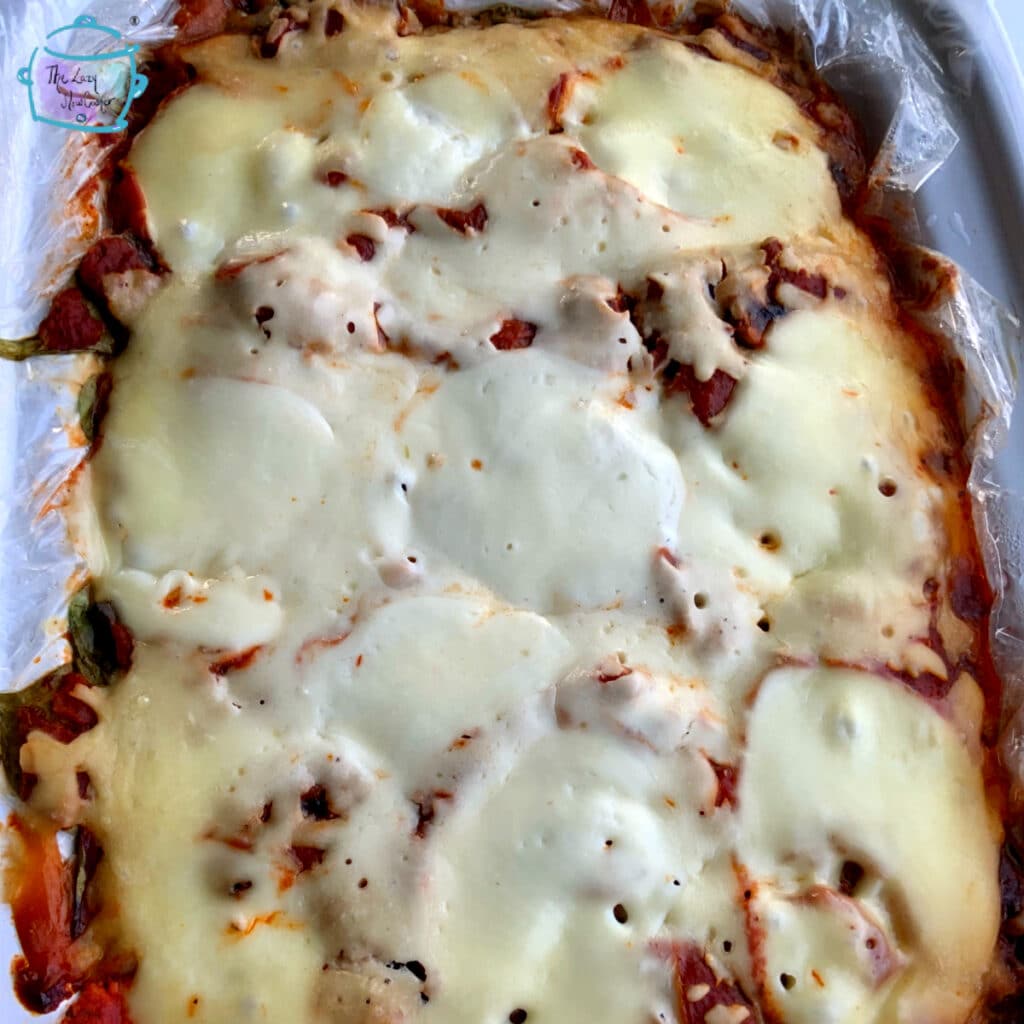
point(87, 91)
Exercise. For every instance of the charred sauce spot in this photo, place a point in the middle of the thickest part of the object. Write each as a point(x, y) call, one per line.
point(851, 874)
point(558, 98)
point(334, 22)
point(740, 42)
point(235, 662)
point(92, 406)
point(232, 268)
point(513, 334)
point(756, 938)
point(841, 176)
point(1011, 944)
point(699, 49)
point(244, 840)
point(812, 284)
point(473, 220)
point(84, 784)
point(668, 556)
point(772, 249)
point(262, 316)
point(693, 976)
point(394, 219)
point(621, 302)
point(752, 312)
point(317, 643)
point(970, 597)
point(126, 204)
point(708, 398)
point(658, 348)
point(927, 685)
point(581, 160)
point(382, 338)
point(306, 857)
point(364, 246)
point(426, 809)
point(290, 20)
point(728, 781)
point(414, 967)
point(631, 12)
point(408, 23)
point(461, 742)
point(751, 325)
point(609, 673)
point(315, 804)
point(243, 844)
point(87, 857)
point(655, 291)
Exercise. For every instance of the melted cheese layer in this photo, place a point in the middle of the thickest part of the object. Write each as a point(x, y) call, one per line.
point(510, 732)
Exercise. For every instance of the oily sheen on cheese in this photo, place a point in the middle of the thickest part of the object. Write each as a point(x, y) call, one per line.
point(519, 492)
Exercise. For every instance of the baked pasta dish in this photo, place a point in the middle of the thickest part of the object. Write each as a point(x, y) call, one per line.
point(531, 575)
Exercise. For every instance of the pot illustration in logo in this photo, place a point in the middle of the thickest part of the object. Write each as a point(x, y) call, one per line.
point(84, 91)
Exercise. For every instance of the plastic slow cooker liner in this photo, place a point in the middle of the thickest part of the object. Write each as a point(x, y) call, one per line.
point(866, 49)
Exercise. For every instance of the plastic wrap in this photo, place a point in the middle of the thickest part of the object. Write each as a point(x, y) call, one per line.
point(50, 217)
point(868, 50)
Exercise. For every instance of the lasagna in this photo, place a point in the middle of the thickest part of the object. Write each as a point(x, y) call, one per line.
point(531, 573)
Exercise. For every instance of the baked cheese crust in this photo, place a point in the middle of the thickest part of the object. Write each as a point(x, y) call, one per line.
point(544, 545)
